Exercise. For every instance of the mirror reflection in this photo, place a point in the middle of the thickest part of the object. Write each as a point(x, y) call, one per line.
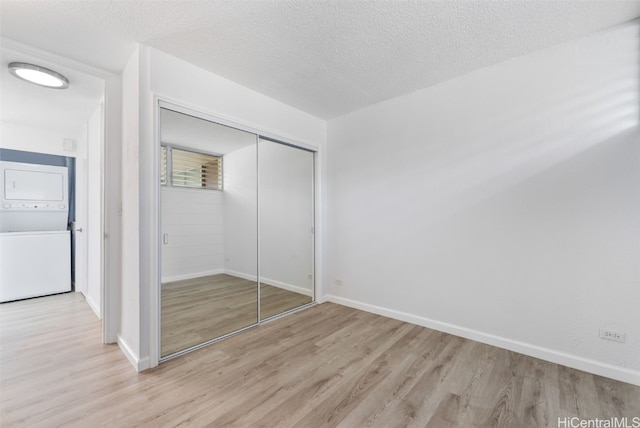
point(218, 185)
point(208, 231)
point(286, 227)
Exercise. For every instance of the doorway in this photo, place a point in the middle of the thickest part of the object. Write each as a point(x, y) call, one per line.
point(67, 124)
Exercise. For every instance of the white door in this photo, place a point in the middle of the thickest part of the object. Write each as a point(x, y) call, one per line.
point(80, 227)
point(93, 232)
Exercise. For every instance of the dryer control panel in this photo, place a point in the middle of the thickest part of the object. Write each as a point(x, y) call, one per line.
point(34, 197)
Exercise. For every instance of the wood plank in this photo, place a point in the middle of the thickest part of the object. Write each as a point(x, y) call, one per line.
point(325, 366)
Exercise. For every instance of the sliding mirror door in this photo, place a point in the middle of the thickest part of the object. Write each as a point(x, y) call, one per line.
point(285, 182)
point(208, 236)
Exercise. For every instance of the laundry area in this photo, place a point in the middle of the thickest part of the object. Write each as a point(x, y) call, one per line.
point(35, 220)
point(51, 177)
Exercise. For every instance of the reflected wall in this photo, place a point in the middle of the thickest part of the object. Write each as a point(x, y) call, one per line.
point(286, 227)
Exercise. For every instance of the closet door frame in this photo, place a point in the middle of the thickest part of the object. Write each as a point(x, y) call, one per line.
point(155, 321)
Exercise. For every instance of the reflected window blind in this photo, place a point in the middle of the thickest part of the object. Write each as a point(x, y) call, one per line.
point(195, 170)
point(163, 165)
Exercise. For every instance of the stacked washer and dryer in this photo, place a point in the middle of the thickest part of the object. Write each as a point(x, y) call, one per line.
point(35, 243)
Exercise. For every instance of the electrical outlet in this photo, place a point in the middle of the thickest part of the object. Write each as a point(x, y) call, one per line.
point(612, 335)
point(338, 282)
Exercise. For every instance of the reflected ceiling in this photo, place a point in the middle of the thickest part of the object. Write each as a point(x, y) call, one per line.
point(192, 132)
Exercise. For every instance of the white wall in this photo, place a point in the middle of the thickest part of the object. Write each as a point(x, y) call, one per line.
point(94, 229)
point(113, 137)
point(79, 239)
point(129, 328)
point(502, 206)
point(241, 212)
point(286, 216)
point(215, 95)
point(210, 94)
point(194, 224)
point(27, 138)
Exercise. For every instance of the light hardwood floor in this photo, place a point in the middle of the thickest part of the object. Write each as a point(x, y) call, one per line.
point(326, 366)
point(200, 309)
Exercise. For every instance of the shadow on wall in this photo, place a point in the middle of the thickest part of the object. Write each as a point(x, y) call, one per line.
point(551, 114)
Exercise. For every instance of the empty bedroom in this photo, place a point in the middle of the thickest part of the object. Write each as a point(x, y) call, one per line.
point(331, 214)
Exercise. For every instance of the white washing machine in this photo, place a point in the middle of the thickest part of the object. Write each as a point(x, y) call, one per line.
point(35, 245)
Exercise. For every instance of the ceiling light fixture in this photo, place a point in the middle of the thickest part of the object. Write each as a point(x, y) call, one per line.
point(38, 75)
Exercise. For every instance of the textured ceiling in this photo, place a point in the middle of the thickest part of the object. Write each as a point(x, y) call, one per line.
point(324, 57)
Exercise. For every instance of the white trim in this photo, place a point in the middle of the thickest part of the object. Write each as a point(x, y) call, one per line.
point(192, 275)
point(93, 306)
point(144, 364)
point(569, 360)
point(100, 307)
point(155, 233)
point(112, 204)
point(240, 275)
point(272, 282)
point(285, 286)
point(139, 364)
point(320, 288)
point(258, 230)
point(179, 107)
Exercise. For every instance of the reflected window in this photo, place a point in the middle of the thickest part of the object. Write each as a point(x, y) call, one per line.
point(190, 169)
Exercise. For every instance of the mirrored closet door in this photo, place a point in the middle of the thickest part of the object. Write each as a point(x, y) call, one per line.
point(236, 230)
point(208, 220)
point(285, 177)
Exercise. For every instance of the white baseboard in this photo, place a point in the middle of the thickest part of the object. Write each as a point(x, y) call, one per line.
point(288, 287)
point(272, 282)
point(93, 306)
point(562, 358)
point(144, 364)
point(139, 364)
point(240, 275)
point(192, 275)
point(320, 299)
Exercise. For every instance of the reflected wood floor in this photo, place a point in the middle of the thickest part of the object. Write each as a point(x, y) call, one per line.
point(326, 366)
point(200, 309)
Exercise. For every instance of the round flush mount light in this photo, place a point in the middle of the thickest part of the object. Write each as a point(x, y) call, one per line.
point(38, 75)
